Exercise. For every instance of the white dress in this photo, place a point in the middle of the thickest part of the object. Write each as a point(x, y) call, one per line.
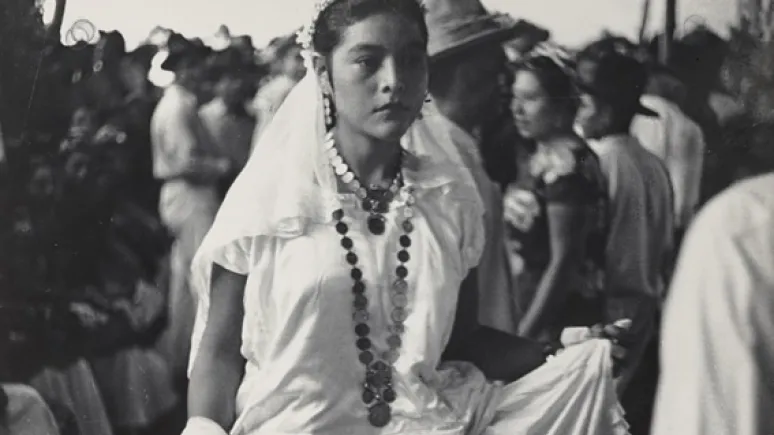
point(303, 375)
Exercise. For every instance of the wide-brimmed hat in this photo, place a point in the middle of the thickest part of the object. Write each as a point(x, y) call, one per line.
point(526, 36)
point(456, 25)
point(181, 49)
point(615, 78)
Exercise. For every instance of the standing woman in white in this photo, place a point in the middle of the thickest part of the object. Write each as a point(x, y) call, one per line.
point(328, 284)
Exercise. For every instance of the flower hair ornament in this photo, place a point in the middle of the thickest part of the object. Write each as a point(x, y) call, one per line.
point(305, 36)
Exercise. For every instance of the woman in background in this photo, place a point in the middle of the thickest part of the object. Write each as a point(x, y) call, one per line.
point(557, 207)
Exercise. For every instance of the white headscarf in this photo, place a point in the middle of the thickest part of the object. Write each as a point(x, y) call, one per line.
point(288, 183)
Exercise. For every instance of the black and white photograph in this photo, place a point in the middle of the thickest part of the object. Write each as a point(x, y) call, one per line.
point(387, 217)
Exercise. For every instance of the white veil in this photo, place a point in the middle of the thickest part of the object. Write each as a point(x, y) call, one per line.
point(288, 183)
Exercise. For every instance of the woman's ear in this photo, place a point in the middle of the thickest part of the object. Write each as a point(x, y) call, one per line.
point(322, 71)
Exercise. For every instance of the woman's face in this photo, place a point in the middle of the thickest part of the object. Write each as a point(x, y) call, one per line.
point(536, 116)
point(378, 74)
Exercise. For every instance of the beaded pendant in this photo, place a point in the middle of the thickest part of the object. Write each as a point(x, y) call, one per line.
point(376, 224)
point(378, 392)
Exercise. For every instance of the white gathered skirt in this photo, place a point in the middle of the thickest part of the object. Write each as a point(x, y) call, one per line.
point(572, 394)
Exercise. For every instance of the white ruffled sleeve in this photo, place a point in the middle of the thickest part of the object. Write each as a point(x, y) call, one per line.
point(251, 256)
point(237, 256)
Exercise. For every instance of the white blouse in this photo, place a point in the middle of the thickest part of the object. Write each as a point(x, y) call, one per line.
point(303, 375)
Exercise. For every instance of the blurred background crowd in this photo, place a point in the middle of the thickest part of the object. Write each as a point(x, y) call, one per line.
point(84, 273)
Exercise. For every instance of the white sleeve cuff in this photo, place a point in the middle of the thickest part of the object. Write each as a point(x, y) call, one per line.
point(202, 426)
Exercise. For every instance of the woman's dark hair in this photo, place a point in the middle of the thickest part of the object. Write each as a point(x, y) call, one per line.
point(556, 81)
point(344, 13)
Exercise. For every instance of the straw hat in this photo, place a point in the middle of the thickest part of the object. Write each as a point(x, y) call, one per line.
point(456, 25)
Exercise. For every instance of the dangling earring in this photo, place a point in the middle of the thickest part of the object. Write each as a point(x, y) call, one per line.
point(328, 109)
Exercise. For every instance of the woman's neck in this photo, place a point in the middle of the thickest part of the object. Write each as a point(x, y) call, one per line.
point(373, 161)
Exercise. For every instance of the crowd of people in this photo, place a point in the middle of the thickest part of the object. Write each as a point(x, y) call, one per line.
point(85, 270)
point(553, 188)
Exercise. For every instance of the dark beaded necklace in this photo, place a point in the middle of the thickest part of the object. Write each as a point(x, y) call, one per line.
point(378, 391)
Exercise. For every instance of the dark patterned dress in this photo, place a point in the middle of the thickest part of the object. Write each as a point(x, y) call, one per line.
point(568, 174)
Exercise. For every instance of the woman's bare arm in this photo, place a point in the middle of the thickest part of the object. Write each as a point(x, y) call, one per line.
point(567, 233)
point(219, 366)
point(466, 317)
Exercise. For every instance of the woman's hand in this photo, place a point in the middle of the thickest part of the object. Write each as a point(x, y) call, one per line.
point(521, 208)
point(617, 332)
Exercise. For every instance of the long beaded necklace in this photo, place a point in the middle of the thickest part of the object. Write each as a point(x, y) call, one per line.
point(378, 392)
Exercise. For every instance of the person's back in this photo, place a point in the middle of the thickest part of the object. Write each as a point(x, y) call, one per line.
point(188, 202)
point(659, 216)
point(717, 353)
point(641, 217)
point(231, 132)
point(178, 138)
point(639, 242)
point(679, 142)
